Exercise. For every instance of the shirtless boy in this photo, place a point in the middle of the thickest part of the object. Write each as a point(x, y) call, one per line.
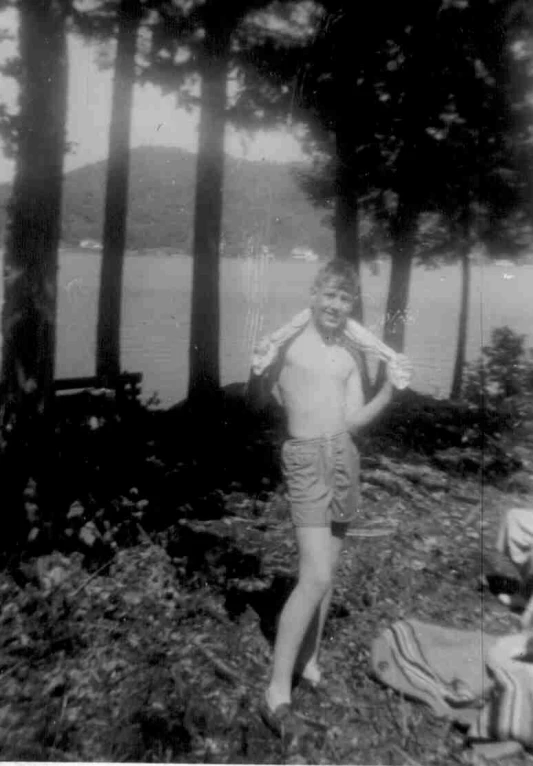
point(319, 386)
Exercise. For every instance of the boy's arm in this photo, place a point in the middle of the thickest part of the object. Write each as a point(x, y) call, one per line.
point(399, 367)
point(359, 414)
point(261, 389)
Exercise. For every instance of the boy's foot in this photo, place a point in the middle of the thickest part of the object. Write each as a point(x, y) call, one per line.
point(311, 676)
point(310, 680)
point(281, 721)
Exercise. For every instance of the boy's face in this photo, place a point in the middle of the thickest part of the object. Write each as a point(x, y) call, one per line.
point(331, 305)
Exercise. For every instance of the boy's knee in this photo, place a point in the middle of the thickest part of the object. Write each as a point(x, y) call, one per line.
point(317, 578)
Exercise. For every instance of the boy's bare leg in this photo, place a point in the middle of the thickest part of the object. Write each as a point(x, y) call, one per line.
point(311, 645)
point(314, 582)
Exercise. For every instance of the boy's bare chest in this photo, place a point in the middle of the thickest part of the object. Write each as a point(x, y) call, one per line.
point(315, 357)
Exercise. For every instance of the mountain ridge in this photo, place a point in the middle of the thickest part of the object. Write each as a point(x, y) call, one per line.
point(263, 204)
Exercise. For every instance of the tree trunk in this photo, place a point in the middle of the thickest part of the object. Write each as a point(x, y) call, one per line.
point(399, 283)
point(460, 355)
point(116, 195)
point(31, 254)
point(347, 223)
point(347, 227)
point(204, 363)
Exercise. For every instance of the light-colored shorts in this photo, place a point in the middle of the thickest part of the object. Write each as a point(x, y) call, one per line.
point(322, 477)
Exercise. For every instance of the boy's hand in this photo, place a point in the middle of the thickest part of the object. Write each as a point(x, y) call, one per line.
point(400, 371)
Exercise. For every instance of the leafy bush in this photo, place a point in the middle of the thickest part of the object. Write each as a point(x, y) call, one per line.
point(503, 372)
point(470, 436)
point(106, 653)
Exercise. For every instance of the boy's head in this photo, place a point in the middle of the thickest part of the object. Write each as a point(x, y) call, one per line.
point(339, 273)
point(333, 295)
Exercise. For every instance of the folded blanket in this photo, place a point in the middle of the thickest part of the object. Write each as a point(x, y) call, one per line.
point(481, 681)
point(509, 712)
point(266, 351)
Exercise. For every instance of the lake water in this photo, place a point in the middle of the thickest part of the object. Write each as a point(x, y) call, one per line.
point(257, 296)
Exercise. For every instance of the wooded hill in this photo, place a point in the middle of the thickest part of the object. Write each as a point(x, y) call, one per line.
point(262, 201)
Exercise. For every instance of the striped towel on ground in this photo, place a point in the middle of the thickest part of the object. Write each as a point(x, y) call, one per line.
point(480, 681)
point(509, 711)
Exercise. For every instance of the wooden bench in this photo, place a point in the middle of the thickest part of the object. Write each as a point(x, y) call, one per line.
point(127, 386)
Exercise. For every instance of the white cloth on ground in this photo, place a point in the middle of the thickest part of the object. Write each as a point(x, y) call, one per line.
point(515, 539)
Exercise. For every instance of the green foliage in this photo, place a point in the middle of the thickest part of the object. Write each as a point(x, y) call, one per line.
point(503, 373)
point(125, 477)
point(105, 653)
point(145, 626)
point(420, 101)
point(458, 437)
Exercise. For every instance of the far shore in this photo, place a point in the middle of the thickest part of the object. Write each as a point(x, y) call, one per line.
point(167, 252)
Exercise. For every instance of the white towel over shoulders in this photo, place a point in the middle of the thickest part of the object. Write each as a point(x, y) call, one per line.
point(267, 349)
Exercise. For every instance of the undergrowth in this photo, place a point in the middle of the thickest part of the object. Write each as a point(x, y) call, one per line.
point(138, 625)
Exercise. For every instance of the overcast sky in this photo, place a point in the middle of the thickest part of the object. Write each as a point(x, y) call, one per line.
point(155, 120)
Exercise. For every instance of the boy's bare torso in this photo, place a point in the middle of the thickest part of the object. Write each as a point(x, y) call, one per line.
point(313, 385)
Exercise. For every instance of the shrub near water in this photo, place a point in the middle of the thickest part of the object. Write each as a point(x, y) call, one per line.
point(503, 373)
point(497, 389)
point(474, 435)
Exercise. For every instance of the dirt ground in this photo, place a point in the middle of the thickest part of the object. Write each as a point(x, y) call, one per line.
point(161, 653)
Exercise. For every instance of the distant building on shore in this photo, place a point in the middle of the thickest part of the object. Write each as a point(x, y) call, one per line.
point(90, 244)
point(304, 254)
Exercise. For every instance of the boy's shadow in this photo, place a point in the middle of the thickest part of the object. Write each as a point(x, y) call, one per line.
point(268, 604)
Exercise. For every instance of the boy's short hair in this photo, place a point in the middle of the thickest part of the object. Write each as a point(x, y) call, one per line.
point(341, 272)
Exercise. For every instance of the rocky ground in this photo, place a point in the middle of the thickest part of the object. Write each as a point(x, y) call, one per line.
point(159, 649)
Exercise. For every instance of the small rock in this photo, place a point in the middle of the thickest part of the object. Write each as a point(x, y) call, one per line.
point(76, 510)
